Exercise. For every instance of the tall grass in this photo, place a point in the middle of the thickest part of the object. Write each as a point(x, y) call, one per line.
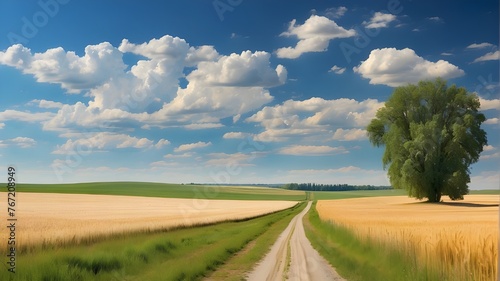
point(456, 241)
point(183, 254)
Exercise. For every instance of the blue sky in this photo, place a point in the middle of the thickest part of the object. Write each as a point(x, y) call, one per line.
point(228, 91)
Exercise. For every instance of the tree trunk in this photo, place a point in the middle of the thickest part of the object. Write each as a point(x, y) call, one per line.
point(435, 195)
point(438, 197)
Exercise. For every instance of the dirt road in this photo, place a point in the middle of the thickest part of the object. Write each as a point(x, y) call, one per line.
point(293, 258)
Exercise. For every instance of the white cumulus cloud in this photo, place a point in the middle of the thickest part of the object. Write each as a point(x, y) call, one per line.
point(147, 93)
point(22, 142)
point(314, 118)
point(492, 121)
point(179, 156)
point(489, 104)
point(73, 73)
point(311, 150)
point(46, 104)
point(244, 70)
point(480, 45)
point(203, 126)
point(235, 135)
point(25, 116)
point(94, 142)
point(314, 35)
point(379, 20)
point(337, 69)
point(393, 67)
point(349, 134)
point(161, 143)
point(490, 156)
point(230, 86)
point(191, 146)
point(164, 47)
point(488, 147)
point(489, 56)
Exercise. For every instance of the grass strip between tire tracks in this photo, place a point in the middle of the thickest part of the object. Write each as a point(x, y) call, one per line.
point(236, 268)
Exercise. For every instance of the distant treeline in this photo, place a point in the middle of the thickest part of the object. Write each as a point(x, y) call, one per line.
point(274, 185)
point(331, 187)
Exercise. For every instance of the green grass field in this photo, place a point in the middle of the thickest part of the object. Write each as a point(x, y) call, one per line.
point(486, 191)
point(183, 254)
point(327, 195)
point(167, 190)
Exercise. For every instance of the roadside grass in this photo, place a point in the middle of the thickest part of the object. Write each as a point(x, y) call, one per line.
point(183, 254)
point(166, 190)
point(236, 268)
point(357, 260)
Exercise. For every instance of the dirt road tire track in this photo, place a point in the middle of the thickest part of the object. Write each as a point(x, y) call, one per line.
point(305, 262)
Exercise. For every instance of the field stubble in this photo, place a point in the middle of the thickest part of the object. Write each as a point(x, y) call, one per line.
point(457, 239)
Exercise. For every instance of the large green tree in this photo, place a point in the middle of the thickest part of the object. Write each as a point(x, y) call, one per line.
point(432, 134)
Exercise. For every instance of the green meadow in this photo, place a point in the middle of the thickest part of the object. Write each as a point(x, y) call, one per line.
point(166, 190)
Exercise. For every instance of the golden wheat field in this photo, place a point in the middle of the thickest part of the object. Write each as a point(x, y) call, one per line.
point(459, 239)
point(59, 218)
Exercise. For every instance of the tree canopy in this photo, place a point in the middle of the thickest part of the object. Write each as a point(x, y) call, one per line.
point(432, 134)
